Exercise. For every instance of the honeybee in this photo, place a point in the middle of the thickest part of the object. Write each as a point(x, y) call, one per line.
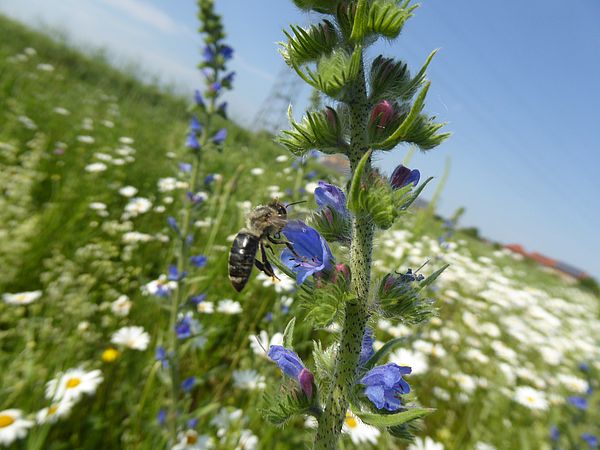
point(265, 222)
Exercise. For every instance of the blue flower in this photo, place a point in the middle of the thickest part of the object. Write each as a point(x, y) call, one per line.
point(173, 224)
point(222, 109)
point(366, 350)
point(197, 299)
point(554, 433)
point(228, 79)
point(209, 179)
point(162, 356)
point(590, 439)
point(208, 53)
point(192, 423)
point(192, 141)
point(198, 260)
point(578, 402)
point(220, 136)
point(313, 253)
point(216, 87)
point(384, 384)
point(195, 125)
point(174, 275)
point(183, 328)
point(188, 384)
point(185, 167)
point(161, 417)
point(226, 51)
point(329, 195)
point(198, 98)
point(287, 360)
point(403, 176)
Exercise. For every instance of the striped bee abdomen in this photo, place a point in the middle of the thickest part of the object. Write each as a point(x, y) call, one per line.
point(241, 259)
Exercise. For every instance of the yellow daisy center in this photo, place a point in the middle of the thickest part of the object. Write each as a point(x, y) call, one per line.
point(351, 421)
point(6, 420)
point(530, 399)
point(73, 382)
point(52, 409)
point(191, 438)
point(110, 354)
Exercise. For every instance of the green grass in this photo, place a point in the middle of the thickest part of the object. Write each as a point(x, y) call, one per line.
point(50, 239)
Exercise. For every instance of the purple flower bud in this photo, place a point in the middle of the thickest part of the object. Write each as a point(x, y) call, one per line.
point(226, 51)
point(329, 195)
point(174, 275)
point(384, 384)
point(198, 98)
point(195, 125)
point(209, 54)
point(366, 350)
point(188, 384)
point(578, 402)
point(216, 87)
point(185, 167)
point(192, 141)
point(590, 439)
point(197, 299)
point(228, 79)
point(554, 433)
point(341, 269)
point(173, 224)
point(192, 423)
point(162, 356)
point(161, 417)
point(183, 328)
point(220, 136)
point(306, 380)
point(287, 360)
point(403, 176)
point(222, 109)
point(382, 114)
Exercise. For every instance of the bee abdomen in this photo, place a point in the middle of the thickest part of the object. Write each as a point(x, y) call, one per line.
point(241, 259)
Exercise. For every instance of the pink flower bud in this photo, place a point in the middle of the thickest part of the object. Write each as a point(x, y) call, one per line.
point(343, 270)
point(306, 380)
point(383, 110)
point(331, 117)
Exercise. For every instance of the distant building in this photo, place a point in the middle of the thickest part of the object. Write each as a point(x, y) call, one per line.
point(565, 270)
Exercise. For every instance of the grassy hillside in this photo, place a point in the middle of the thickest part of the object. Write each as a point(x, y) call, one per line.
point(499, 363)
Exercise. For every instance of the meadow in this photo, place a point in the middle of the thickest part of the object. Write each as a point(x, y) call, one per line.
point(90, 170)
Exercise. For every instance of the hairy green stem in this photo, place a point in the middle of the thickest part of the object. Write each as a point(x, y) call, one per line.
point(356, 310)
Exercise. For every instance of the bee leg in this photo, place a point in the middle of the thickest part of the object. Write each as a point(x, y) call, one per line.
point(267, 265)
point(286, 243)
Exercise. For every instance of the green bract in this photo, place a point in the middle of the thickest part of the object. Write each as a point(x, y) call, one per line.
point(308, 45)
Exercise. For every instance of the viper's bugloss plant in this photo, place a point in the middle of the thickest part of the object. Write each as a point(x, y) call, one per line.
point(372, 109)
point(184, 332)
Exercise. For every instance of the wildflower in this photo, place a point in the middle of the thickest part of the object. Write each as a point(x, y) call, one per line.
point(578, 402)
point(163, 356)
point(137, 206)
point(589, 438)
point(188, 384)
point(257, 171)
point(228, 79)
point(134, 338)
point(366, 350)
point(12, 426)
point(185, 167)
point(312, 251)
point(197, 197)
point(554, 433)
point(205, 307)
point(73, 384)
point(198, 260)
point(95, 167)
point(183, 328)
point(86, 139)
point(121, 306)
point(425, 444)
point(220, 136)
point(215, 87)
point(291, 365)
point(259, 343)
point(248, 380)
point(382, 114)
point(173, 224)
point(531, 398)
point(161, 417)
point(229, 306)
point(128, 191)
point(384, 384)
point(359, 432)
point(329, 195)
point(190, 440)
point(198, 98)
point(197, 299)
point(21, 298)
point(416, 360)
point(222, 109)
point(55, 411)
point(62, 111)
point(208, 54)
point(195, 125)
point(403, 176)
point(174, 274)
point(192, 141)
point(132, 237)
point(110, 354)
point(226, 52)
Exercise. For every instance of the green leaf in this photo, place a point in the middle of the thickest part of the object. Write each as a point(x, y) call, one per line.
point(390, 420)
point(306, 45)
point(405, 196)
point(354, 193)
point(383, 351)
point(288, 334)
point(361, 20)
point(386, 17)
point(434, 276)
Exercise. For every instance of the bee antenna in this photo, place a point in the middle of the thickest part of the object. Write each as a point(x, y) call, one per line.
point(295, 203)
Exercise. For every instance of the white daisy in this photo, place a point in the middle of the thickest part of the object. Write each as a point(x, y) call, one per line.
point(45, 67)
point(359, 431)
point(98, 206)
point(229, 306)
point(531, 398)
point(13, 426)
point(137, 205)
point(414, 359)
point(135, 236)
point(248, 380)
point(95, 167)
point(484, 446)
point(128, 191)
point(248, 440)
point(55, 411)
point(190, 440)
point(126, 140)
point(425, 444)
point(121, 306)
point(134, 338)
point(86, 139)
point(21, 298)
point(62, 111)
point(261, 343)
point(205, 307)
point(573, 383)
point(281, 158)
point(72, 384)
point(257, 171)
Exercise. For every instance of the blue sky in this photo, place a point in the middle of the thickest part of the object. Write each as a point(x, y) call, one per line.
point(517, 82)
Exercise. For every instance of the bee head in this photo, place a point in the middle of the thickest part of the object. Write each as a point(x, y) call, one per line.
point(279, 207)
